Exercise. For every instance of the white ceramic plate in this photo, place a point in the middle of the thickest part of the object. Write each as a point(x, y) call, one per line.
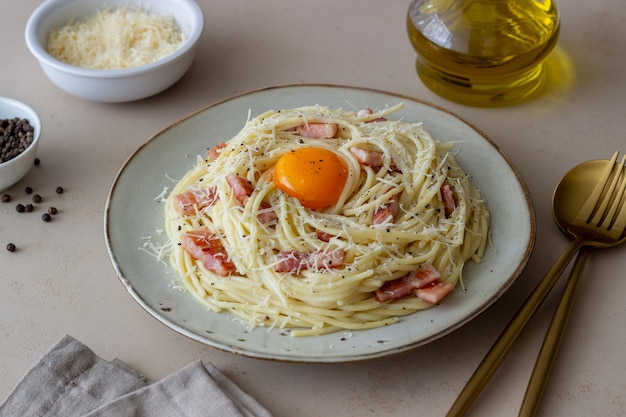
point(173, 151)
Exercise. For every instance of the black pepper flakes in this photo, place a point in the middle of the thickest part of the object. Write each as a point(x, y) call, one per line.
point(46, 217)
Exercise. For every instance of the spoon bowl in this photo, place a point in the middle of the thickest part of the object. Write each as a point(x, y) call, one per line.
point(570, 196)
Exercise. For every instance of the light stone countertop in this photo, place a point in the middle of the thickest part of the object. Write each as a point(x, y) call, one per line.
point(61, 280)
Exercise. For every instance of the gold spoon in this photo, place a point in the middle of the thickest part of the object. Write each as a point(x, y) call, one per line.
point(563, 216)
point(586, 208)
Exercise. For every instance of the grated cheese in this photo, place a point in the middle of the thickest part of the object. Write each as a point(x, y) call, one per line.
point(115, 39)
point(317, 300)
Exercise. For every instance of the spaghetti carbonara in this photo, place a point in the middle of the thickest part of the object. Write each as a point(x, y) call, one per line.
point(317, 219)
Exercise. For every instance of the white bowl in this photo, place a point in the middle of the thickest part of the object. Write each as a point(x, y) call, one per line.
point(14, 169)
point(114, 86)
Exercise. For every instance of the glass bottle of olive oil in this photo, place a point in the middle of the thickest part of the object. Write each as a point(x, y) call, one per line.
point(482, 52)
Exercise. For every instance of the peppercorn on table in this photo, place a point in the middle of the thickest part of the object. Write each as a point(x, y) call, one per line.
point(56, 277)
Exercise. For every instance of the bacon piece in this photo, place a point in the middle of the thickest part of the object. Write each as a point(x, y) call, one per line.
point(372, 159)
point(327, 259)
point(447, 196)
point(242, 188)
point(434, 293)
point(318, 130)
point(387, 211)
point(188, 202)
point(214, 152)
point(394, 289)
point(291, 261)
point(295, 261)
point(266, 213)
point(323, 236)
point(207, 248)
point(422, 278)
point(368, 111)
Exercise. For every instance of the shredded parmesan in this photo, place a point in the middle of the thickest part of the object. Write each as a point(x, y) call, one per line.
point(115, 38)
point(317, 300)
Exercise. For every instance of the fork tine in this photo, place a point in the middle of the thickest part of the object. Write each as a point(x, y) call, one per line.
point(619, 219)
point(587, 211)
point(607, 207)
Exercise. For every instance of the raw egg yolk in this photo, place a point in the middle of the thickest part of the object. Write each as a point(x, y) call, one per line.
point(314, 176)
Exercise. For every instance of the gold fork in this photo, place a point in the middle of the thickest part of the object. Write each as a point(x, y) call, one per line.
point(605, 209)
point(600, 222)
point(545, 360)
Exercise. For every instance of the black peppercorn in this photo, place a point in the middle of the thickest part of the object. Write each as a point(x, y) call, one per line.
point(16, 135)
point(37, 161)
point(59, 190)
point(30, 208)
point(28, 190)
point(6, 198)
point(11, 247)
point(20, 208)
point(37, 198)
point(46, 217)
point(52, 210)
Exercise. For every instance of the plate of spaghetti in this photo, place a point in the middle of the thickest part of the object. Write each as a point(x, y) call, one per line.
point(318, 223)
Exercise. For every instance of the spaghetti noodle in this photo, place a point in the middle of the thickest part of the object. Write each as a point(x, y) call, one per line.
point(393, 241)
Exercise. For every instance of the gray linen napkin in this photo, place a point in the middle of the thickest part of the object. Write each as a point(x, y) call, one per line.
point(70, 380)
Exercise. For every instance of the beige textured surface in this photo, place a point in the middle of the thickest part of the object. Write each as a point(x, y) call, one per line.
point(61, 280)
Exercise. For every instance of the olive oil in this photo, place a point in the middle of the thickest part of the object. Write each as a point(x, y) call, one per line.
point(482, 52)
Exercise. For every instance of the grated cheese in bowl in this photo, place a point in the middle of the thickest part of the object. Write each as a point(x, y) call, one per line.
point(115, 38)
point(115, 51)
